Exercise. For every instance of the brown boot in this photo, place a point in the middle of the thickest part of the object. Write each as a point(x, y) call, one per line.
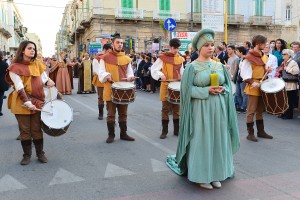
point(176, 126)
point(261, 130)
point(111, 132)
point(250, 130)
point(40, 154)
point(26, 145)
point(100, 107)
point(123, 134)
point(164, 132)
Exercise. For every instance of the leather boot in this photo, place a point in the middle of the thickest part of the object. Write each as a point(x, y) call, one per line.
point(261, 130)
point(250, 130)
point(100, 107)
point(123, 134)
point(176, 126)
point(26, 145)
point(164, 132)
point(111, 132)
point(40, 154)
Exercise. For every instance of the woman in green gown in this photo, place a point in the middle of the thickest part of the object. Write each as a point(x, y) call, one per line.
point(208, 133)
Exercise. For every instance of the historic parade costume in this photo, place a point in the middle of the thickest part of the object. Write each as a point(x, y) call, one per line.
point(85, 76)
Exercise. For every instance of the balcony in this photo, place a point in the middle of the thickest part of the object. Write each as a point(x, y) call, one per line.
point(260, 20)
point(197, 17)
point(86, 19)
point(235, 19)
point(164, 14)
point(5, 30)
point(129, 13)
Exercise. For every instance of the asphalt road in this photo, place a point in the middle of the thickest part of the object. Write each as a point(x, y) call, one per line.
point(83, 167)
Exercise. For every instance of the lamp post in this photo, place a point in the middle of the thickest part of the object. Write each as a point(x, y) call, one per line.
point(75, 21)
point(192, 14)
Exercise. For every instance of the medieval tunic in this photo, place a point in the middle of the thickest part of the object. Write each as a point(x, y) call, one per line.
point(70, 71)
point(53, 70)
point(63, 83)
point(30, 77)
point(171, 66)
point(253, 70)
point(118, 66)
point(85, 77)
point(208, 134)
point(96, 82)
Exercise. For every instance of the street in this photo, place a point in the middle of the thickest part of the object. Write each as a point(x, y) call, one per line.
point(82, 166)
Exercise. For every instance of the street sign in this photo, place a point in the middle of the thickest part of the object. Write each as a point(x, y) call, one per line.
point(170, 24)
point(95, 47)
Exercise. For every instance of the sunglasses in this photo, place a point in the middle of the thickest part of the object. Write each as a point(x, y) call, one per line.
point(284, 54)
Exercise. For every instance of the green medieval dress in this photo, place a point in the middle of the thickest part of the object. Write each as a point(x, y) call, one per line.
point(208, 134)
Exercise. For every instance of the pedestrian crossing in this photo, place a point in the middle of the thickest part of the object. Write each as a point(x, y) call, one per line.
point(63, 176)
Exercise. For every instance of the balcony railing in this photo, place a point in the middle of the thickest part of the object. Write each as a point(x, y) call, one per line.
point(4, 29)
point(235, 19)
point(129, 13)
point(164, 14)
point(197, 17)
point(260, 20)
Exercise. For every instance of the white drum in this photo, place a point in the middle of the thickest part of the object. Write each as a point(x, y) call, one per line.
point(54, 93)
point(174, 92)
point(58, 120)
point(274, 96)
point(123, 92)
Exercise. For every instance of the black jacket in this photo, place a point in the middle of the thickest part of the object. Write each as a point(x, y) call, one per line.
point(4, 86)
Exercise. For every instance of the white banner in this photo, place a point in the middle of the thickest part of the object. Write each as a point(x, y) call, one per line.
point(213, 15)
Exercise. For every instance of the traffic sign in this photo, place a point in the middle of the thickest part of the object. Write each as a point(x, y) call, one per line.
point(95, 48)
point(170, 24)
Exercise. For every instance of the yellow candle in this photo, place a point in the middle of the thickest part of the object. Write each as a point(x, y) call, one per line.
point(214, 80)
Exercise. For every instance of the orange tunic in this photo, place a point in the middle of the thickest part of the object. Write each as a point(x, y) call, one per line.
point(171, 69)
point(30, 74)
point(258, 70)
point(116, 64)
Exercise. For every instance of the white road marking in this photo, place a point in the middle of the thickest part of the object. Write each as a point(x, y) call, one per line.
point(131, 130)
point(114, 170)
point(63, 176)
point(158, 166)
point(8, 183)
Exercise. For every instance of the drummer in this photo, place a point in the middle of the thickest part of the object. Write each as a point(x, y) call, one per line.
point(252, 72)
point(168, 67)
point(115, 66)
point(27, 75)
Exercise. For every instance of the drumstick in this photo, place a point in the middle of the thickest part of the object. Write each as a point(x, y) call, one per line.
point(50, 94)
point(40, 110)
point(169, 80)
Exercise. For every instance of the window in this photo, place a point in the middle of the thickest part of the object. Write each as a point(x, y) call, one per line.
point(288, 13)
point(259, 7)
point(127, 4)
point(164, 5)
point(197, 7)
point(231, 7)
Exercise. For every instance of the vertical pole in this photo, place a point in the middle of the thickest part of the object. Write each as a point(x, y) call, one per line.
point(192, 15)
point(75, 32)
point(225, 22)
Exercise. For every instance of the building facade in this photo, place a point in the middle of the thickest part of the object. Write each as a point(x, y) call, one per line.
point(141, 22)
point(12, 31)
point(35, 38)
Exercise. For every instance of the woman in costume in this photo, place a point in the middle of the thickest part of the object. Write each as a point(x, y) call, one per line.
point(27, 75)
point(63, 83)
point(208, 133)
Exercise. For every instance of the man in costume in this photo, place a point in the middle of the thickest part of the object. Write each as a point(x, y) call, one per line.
point(168, 67)
point(85, 76)
point(115, 67)
point(96, 82)
point(252, 72)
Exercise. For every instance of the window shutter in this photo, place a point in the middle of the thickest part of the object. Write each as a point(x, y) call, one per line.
point(231, 7)
point(197, 6)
